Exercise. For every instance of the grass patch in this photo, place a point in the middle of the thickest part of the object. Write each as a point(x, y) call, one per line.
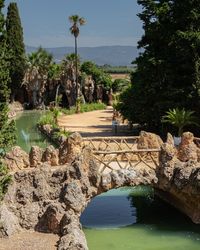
point(87, 107)
point(48, 118)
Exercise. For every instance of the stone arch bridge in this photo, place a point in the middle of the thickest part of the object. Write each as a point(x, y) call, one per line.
point(52, 188)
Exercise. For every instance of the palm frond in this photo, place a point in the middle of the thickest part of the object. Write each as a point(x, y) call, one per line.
point(180, 118)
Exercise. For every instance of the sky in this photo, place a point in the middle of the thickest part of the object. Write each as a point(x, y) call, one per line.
point(109, 22)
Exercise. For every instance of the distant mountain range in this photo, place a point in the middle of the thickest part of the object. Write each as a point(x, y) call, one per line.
point(112, 55)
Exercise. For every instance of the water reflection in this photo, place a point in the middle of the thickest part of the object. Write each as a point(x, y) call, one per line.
point(25, 137)
point(116, 208)
point(159, 215)
point(135, 219)
point(108, 212)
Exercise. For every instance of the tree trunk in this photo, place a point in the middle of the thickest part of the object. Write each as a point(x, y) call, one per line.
point(76, 66)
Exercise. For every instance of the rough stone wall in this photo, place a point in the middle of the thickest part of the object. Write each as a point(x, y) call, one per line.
point(179, 176)
point(51, 198)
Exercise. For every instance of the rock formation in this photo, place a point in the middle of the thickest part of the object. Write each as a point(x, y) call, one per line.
point(50, 155)
point(149, 141)
point(178, 176)
point(16, 159)
point(187, 150)
point(35, 156)
point(51, 198)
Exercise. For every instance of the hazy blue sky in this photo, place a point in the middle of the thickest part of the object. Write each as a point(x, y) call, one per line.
point(109, 22)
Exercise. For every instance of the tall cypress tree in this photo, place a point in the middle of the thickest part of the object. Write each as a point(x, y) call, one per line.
point(7, 136)
point(168, 69)
point(16, 46)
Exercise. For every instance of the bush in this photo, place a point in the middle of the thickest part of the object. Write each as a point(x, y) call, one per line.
point(180, 118)
point(5, 180)
point(120, 85)
point(61, 133)
point(48, 118)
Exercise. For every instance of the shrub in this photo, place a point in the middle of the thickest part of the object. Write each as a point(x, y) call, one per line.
point(180, 118)
point(48, 118)
point(5, 179)
point(61, 133)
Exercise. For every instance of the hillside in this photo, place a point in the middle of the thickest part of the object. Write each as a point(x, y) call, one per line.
point(112, 55)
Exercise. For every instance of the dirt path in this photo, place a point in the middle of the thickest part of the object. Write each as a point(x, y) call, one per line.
point(30, 241)
point(95, 123)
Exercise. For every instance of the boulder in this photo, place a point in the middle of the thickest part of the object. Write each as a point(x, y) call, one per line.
point(50, 220)
point(71, 148)
point(35, 156)
point(187, 149)
point(50, 155)
point(149, 141)
point(16, 159)
point(9, 223)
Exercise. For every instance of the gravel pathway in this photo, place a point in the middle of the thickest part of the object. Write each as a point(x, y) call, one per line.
point(95, 123)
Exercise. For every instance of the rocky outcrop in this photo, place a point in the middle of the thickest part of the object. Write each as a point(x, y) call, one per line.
point(179, 177)
point(35, 156)
point(16, 159)
point(149, 141)
point(187, 149)
point(70, 148)
point(51, 156)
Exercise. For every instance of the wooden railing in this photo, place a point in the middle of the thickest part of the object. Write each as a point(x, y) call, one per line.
point(114, 153)
point(111, 143)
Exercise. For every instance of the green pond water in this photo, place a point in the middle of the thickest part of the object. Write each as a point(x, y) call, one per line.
point(133, 219)
point(126, 218)
point(27, 132)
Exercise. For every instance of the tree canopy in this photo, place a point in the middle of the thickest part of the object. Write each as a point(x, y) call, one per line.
point(7, 129)
point(16, 47)
point(167, 74)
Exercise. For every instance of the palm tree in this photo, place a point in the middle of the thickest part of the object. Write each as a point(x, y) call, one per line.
point(74, 29)
point(68, 77)
point(36, 75)
point(180, 118)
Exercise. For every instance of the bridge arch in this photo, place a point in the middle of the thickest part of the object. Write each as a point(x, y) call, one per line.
point(52, 199)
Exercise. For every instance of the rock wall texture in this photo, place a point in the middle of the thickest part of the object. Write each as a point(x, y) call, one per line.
point(179, 176)
point(50, 198)
point(53, 187)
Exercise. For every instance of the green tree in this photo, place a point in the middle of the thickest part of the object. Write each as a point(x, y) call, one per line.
point(99, 76)
point(167, 74)
point(7, 128)
point(16, 46)
point(74, 29)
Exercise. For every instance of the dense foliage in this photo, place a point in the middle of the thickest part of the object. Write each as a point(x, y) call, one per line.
point(168, 70)
point(7, 136)
point(98, 75)
point(16, 47)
